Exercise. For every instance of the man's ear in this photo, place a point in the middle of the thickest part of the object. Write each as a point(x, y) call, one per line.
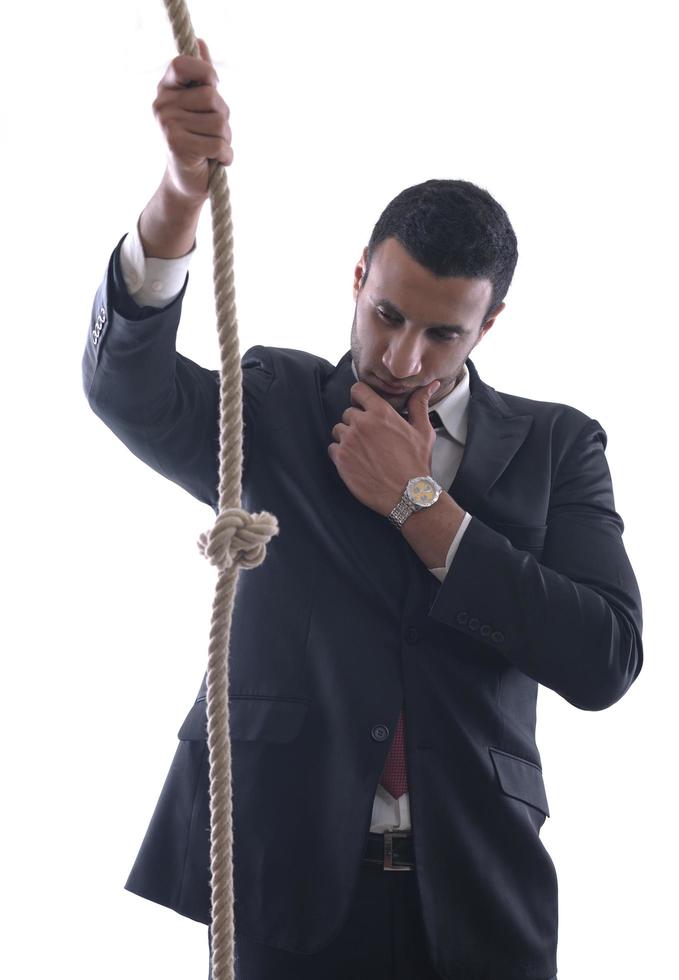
point(361, 265)
point(489, 322)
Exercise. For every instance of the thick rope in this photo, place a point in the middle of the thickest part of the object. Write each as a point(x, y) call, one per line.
point(237, 540)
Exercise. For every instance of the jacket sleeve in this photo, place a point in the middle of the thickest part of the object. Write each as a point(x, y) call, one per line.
point(163, 406)
point(573, 620)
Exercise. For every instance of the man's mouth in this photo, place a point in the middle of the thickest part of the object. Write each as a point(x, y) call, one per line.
point(392, 389)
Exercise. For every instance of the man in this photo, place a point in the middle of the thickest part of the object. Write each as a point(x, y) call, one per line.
point(428, 574)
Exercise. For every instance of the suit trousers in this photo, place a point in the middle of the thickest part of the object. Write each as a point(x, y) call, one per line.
point(382, 939)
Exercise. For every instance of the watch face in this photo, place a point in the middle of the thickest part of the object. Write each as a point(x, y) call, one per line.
point(421, 491)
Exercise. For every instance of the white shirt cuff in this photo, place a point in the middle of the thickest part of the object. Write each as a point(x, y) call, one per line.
point(151, 281)
point(440, 573)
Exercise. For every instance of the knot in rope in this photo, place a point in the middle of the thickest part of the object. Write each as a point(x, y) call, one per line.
point(238, 537)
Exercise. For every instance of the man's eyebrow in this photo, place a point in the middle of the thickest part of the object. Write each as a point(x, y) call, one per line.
point(391, 308)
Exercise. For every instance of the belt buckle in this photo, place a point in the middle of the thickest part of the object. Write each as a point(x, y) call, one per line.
point(388, 864)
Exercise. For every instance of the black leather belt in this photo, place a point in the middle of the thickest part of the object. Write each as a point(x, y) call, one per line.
point(392, 851)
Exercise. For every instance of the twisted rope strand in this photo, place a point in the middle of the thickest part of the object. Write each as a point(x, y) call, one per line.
point(237, 540)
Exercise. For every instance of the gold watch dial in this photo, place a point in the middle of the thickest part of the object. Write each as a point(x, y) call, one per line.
point(421, 492)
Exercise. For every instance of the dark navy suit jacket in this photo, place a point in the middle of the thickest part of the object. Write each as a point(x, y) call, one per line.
point(342, 622)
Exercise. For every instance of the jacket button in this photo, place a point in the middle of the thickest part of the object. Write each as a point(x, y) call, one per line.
point(412, 634)
point(497, 637)
point(486, 630)
point(380, 733)
point(462, 618)
point(474, 623)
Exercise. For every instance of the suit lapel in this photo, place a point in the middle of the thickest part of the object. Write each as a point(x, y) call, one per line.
point(494, 436)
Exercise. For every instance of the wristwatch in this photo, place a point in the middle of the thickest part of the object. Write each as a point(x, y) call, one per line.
point(420, 492)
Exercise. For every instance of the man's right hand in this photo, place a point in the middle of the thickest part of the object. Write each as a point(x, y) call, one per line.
point(194, 120)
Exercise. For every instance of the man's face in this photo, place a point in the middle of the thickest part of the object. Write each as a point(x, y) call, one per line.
point(411, 327)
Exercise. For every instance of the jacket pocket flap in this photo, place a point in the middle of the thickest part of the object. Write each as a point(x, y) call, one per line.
point(250, 719)
point(520, 779)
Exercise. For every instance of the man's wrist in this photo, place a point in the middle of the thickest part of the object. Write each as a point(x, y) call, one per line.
point(180, 204)
point(167, 225)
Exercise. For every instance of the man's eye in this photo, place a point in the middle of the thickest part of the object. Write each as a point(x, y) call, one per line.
point(440, 334)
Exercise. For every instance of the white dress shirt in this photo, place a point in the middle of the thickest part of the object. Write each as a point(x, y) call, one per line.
point(156, 282)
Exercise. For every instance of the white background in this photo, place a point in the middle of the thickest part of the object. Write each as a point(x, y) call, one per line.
point(566, 114)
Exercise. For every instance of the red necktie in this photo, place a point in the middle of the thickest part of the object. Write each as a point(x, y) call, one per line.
point(394, 778)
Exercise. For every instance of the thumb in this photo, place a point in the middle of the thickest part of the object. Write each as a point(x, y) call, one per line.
point(418, 405)
point(203, 48)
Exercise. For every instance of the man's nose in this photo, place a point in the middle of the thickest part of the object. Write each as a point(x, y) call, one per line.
point(402, 360)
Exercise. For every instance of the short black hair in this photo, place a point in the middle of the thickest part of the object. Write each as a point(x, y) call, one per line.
point(452, 228)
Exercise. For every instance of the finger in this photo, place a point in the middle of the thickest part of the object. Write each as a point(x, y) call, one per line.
point(199, 123)
point(184, 69)
point(202, 98)
point(361, 393)
point(418, 404)
point(199, 147)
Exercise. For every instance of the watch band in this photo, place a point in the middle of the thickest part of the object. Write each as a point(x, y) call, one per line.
point(402, 511)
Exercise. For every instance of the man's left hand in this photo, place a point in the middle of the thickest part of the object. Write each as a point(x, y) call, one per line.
point(376, 450)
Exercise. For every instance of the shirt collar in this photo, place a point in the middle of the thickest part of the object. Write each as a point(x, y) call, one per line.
point(453, 408)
